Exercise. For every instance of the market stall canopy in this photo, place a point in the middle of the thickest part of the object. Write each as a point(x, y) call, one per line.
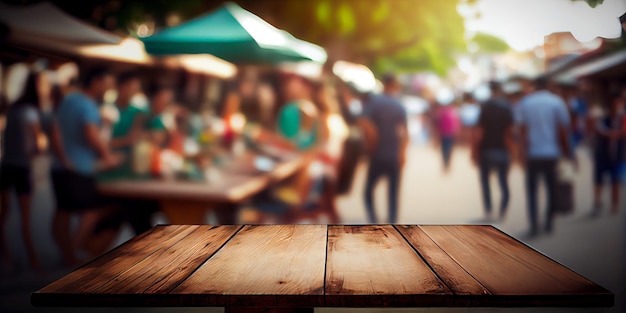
point(357, 75)
point(611, 65)
point(44, 26)
point(307, 69)
point(201, 64)
point(235, 35)
point(129, 50)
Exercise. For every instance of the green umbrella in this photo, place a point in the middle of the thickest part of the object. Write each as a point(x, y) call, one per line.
point(235, 35)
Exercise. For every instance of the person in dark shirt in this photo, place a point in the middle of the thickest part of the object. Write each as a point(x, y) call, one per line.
point(492, 147)
point(609, 153)
point(388, 117)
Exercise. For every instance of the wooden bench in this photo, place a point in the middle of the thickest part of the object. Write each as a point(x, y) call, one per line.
point(294, 268)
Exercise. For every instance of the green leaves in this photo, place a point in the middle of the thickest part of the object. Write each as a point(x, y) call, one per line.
point(401, 35)
point(381, 12)
point(323, 12)
point(592, 3)
point(346, 19)
point(490, 44)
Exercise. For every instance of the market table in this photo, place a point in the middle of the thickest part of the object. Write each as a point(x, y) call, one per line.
point(294, 268)
point(186, 202)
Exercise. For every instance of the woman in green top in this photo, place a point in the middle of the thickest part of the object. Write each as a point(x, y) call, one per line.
point(297, 118)
point(297, 123)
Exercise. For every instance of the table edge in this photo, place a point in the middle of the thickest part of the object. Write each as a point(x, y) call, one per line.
point(373, 301)
point(600, 299)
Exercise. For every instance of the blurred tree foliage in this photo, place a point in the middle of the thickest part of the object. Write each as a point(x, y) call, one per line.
point(404, 35)
point(398, 35)
point(489, 44)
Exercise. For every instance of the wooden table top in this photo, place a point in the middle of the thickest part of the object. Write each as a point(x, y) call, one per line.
point(238, 182)
point(323, 266)
point(231, 188)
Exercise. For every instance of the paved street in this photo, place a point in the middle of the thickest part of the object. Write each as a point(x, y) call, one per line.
point(593, 248)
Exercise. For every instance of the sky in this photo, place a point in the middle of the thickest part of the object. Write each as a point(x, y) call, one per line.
point(524, 23)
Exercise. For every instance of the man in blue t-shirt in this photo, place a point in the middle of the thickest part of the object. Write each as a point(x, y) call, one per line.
point(78, 147)
point(388, 117)
point(544, 122)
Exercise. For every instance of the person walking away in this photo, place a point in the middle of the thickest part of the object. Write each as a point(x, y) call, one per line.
point(469, 113)
point(544, 131)
point(609, 153)
point(78, 147)
point(492, 147)
point(19, 147)
point(448, 125)
point(389, 118)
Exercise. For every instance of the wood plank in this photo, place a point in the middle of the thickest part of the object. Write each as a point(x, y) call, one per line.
point(507, 267)
point(277, 265)
point(283, 267)
point(375, 266)
point(165, 269)
point(450, 272)
point(108, 266)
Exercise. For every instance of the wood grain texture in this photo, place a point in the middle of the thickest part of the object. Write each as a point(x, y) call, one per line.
point(274, 265)
point(284, 267)
point(110, 265)
point(373, 266)
point(507, 267)
point(450, 272)
point(165, 269)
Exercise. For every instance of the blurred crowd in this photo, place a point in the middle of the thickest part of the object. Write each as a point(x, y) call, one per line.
point(100, 126)
point(538, 124)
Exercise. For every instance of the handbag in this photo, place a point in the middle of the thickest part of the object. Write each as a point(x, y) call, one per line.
point(564, 193)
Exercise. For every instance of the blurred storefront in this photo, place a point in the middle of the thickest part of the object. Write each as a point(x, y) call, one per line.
point(602, 69)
